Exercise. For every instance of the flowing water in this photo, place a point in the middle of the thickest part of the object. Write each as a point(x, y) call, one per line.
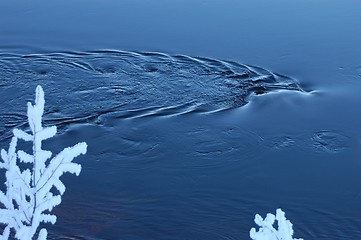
point(195, 121)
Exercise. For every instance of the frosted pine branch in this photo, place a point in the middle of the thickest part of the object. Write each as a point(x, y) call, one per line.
point(29, 197)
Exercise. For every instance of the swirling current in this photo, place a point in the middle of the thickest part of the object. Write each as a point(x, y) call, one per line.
point(91, 86)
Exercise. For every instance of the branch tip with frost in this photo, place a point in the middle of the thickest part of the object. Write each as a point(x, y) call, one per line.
point(268, 232)
point(29, 197)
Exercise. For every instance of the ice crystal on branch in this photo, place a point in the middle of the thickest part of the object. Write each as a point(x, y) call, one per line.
point(268, 232)
point(29, 196)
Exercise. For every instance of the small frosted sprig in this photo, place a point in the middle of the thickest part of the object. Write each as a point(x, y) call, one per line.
point(267, 230)
point(29, 198)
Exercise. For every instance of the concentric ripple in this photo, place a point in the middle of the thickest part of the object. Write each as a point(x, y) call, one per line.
point(93, 86)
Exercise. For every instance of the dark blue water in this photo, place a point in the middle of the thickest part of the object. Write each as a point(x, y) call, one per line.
point(112, 84)
point(198, 114)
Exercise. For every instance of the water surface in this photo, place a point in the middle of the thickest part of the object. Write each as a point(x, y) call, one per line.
point(198, 114)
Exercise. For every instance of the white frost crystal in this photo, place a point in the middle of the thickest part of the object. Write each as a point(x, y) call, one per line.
point(29, 195)
point(268, 232)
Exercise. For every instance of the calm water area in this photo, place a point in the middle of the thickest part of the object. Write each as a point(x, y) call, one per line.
point(198, 114)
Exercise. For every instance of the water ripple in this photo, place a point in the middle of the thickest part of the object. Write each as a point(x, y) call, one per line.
point(330, 141)
point(93, 86)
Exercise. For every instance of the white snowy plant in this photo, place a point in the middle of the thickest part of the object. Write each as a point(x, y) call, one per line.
point(268, 232)
point(31, 193)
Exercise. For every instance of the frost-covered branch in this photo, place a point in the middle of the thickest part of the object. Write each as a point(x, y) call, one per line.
point(268, 232)
point(29, 197)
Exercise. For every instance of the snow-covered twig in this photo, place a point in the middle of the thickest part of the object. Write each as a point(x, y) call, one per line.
point(29, 197)
point(268, 232)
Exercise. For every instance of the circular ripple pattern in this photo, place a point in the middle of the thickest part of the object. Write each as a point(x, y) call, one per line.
point(93, 86)
point(330, 141)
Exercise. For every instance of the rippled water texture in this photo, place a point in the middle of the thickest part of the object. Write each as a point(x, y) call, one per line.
point(91, 86)
point(174, 152)
point(184, 147)
point(187, 147)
